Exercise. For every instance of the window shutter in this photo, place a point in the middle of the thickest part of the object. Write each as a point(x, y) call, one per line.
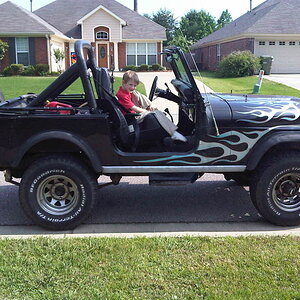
point(31, 51)
point(12, 50)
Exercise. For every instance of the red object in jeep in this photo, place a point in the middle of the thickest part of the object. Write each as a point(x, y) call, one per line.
point(59, 105)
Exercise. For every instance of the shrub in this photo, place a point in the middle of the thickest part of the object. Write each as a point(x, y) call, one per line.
point(155, 67)
point(239, 64)
point(14, 69)
point(37, 70)
point(143, 68)
point(41, 69)
point(130, 67)
point(29, 71)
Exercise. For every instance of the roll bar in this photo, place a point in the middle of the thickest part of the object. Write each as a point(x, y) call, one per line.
point(80, 45)
point(79, 69)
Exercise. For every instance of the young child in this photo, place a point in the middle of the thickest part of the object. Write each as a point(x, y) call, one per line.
point(138, 103)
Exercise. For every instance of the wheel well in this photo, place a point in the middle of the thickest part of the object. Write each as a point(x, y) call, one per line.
point(277, 149)
point(46, 148)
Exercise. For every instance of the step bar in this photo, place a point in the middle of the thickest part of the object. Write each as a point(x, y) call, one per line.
point(171, 169)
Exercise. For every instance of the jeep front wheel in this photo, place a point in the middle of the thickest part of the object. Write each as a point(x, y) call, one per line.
point(276, 189)
point(58, 192)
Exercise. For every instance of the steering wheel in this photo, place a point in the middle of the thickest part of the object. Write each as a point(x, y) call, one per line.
point(153, 88)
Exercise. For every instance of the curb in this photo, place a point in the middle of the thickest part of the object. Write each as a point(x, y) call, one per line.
point(154, 230)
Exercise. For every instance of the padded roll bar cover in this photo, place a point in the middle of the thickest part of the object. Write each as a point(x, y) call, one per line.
point(79, 46)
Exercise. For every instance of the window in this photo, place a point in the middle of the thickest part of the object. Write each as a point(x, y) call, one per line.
point(131, 54)
point(261, 43)
point(102, 35)
point(141, 53)
point(22, 51)
point(272, 43)
point(281, 43)
point(218, 53)
point(292, 43)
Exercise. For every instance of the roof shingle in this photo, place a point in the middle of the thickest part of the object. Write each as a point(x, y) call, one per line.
point(17, 20)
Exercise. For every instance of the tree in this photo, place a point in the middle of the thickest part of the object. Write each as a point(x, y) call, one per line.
point(180, 40)
point(59, 56)
point(224, 19)
point(3, 49)
point(166, 19)
point(197, 24)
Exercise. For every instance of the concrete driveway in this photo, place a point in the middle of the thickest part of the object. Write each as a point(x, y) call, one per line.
point(292, 80)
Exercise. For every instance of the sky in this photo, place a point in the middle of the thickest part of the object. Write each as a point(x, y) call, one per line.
point(178, 7)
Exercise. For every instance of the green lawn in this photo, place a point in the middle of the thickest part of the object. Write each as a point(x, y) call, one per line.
point(150, 268)
point(244, 85)
point(19, 85)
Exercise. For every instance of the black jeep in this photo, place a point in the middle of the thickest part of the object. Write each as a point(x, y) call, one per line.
point(60, 144)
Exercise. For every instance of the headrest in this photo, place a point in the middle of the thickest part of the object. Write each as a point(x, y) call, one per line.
point(103, 82)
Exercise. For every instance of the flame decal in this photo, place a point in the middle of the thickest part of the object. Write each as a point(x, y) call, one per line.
point(223, 144)
point(288, 111)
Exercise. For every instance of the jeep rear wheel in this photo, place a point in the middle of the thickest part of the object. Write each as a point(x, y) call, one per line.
point(58, 192)
point(275, 189)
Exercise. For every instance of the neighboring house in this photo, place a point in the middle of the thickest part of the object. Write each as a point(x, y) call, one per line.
point(29, 37)
point(119, 35)
point(272, 28)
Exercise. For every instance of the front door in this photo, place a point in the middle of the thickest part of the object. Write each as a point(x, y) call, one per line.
point(102, 55)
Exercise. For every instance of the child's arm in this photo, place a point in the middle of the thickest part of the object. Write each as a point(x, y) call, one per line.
point(138, 109)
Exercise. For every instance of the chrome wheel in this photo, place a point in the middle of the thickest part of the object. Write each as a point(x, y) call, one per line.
point(58, 195)
point(286, 192)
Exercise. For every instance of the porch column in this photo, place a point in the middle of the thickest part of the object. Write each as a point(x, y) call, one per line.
point(116, 56)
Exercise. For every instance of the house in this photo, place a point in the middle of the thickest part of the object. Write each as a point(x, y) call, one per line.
point(119, 35)
point(272, 28)
point(29, 37)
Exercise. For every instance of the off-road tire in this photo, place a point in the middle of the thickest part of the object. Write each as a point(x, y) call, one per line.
point(275, 189)
point(58, 192)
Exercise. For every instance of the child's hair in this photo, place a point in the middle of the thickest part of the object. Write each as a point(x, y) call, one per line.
point(131, 75)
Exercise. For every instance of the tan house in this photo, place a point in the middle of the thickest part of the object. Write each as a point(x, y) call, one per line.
point(120, 36)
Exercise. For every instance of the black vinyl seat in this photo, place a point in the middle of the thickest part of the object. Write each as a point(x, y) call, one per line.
point(130, 135)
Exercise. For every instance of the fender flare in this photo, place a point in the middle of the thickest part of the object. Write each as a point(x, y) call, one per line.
point(269, 141)
point(61, 135)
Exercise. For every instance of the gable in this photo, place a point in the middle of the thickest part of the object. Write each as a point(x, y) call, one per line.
point(96, 10)
point(137, 26)
point(101, 17)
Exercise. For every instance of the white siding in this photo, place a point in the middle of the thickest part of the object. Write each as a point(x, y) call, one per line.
point(101, 18)
point(54, 44)
point(286, 57)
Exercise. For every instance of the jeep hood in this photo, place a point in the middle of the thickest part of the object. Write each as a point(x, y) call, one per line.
point(253, 110)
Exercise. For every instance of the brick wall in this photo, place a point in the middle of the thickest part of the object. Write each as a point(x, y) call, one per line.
point(67, 53)
point(41, 55)
point(122, 54)
point(238, 45)
point(40, 44)
point(101, 28)
point(206, 57)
